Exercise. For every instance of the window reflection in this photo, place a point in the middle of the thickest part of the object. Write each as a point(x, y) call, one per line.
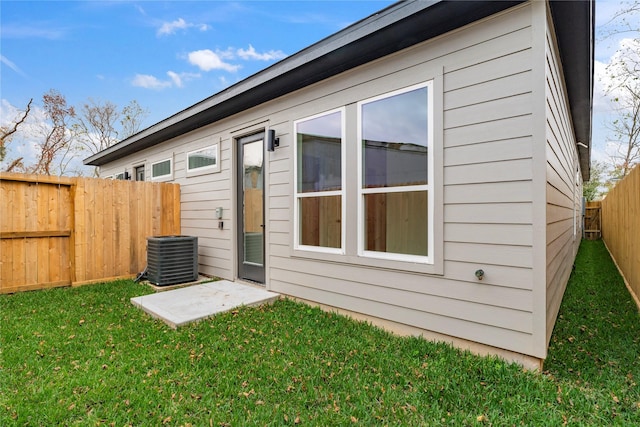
point(395, 140)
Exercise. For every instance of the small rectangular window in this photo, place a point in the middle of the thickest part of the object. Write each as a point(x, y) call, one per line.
point(139, 171)
point(319, 182)
point(120, 176)
point(204, 160)
point(395, 174)
point(161, 170)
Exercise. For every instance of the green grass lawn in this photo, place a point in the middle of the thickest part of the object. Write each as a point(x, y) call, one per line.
point(86, 356)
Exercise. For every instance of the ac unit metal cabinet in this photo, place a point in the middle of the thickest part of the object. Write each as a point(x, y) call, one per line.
point(172, 260)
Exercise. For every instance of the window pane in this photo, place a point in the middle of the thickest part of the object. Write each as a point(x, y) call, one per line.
point(319, 153)
point(395, 140)
point(320, 221)
point(161, 169)
point(203, 158)
point(140, 173)
point(396, 222)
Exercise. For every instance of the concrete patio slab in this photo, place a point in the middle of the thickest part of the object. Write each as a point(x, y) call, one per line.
point(185, 305)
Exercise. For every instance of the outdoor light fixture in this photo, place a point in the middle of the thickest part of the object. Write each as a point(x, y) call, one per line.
point(272, 141)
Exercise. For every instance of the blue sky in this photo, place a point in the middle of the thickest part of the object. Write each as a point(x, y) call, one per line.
point(169, 55)
point(165, 55)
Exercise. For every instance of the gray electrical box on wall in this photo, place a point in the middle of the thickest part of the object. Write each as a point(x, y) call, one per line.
point(172, 260)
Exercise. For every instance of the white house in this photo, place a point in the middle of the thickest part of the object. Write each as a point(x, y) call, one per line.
point(428, 174)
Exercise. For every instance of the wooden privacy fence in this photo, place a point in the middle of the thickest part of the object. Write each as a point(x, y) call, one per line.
point(621, 227)
point(592, 220)
point(60, 231)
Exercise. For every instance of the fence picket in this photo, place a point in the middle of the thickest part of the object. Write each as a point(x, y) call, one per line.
point(621, 227)
point(59, 231)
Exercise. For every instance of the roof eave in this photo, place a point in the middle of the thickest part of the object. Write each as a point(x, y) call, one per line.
point(577, 52)
point(373, 38)
point(362, 42)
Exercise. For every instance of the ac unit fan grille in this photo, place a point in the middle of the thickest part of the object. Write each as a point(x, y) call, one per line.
point(172, 260)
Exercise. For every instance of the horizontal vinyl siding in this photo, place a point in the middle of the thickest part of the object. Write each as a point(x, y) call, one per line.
point(486, 189)
point(199, 196)
point(487, 193)
point(562, 194)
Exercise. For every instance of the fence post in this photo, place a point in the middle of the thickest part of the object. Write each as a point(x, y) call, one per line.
point(72, 236)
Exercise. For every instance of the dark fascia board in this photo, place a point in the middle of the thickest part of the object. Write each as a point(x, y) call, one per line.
point(574, 23)
point(399, 26)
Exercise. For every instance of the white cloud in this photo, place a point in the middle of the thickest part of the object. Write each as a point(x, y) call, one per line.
point(149, 82)
point(230, 53)
point(208, 60)
point(251, 53)
point(24, 143)
point(601, 82)
point(626, 55)
point(179, 79)
point(27, 31)
point(168, 28)
point(152, 82)
point(11, 65)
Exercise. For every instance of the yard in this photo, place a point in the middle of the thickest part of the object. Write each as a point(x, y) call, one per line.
point(86, 356)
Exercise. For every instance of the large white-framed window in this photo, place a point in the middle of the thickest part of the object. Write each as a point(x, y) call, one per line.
point(162, 170)
point(395, 175)
point(203, 160)
point(319, 209)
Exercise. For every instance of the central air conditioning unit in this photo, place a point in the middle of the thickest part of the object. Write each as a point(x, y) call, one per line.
point(172, 260)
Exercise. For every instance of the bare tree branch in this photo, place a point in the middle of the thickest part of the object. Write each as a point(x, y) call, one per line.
point(623, 22)
point(132, 117)
point(57, 138)
point(6, 133)
point(15, 165)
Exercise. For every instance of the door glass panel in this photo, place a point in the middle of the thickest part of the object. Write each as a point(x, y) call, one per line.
point(253, 206)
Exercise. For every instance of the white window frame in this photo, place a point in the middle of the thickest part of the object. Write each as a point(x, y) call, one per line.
point(298, 195)
point(119, 176)
point(166, 177)
point(429, 187)
point(134, 173)
point(202, 170)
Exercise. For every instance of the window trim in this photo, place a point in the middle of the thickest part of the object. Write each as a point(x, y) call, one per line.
point(429, 187)
point(299, 195)
point(202, 170)
point(135, 171)
point(166, 177)
point(350, 257)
